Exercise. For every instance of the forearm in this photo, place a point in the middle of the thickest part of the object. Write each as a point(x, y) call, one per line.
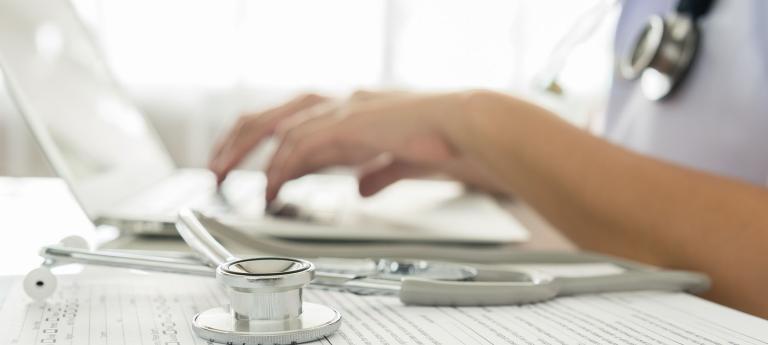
point(608, 199)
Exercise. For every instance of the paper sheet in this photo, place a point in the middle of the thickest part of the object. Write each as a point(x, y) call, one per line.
point(156, 310)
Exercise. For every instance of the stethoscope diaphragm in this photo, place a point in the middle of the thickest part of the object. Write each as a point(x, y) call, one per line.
point(266, 305)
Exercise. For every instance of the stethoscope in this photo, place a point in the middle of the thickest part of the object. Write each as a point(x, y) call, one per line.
point(665, 50)
point(265, 293)
point(660, 58)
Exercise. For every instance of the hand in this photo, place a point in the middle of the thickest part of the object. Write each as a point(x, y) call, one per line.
point(251, 129)
point(390, 136)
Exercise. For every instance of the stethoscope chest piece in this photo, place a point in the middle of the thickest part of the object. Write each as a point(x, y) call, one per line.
point(266, 305)
point(666, 49)
point(662, 55)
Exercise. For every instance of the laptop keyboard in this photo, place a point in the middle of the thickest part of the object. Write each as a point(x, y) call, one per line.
point(316, 199)
point(171, 194)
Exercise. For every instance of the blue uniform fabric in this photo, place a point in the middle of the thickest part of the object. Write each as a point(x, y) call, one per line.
point(718, 120)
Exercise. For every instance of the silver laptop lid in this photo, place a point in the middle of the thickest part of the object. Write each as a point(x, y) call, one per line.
point(94, 137)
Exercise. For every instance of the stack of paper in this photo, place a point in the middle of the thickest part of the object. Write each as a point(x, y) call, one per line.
point(129, 308)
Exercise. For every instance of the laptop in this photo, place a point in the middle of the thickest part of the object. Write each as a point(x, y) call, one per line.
point(120, 172)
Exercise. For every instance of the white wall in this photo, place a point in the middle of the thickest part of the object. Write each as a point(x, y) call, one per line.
point(194, 65)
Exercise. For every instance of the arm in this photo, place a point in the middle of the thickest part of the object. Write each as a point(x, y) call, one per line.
point(611, 200)
point(601, 196)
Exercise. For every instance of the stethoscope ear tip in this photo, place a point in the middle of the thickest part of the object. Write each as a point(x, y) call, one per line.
point(75, 242)
point(40, 283)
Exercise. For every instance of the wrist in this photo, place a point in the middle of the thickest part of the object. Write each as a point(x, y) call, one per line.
point(474, 116)
point(498, 130)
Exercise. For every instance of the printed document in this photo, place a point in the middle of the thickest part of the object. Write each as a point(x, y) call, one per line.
point(122, 307)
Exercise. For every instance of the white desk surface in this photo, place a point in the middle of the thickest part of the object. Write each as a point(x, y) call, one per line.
point(34, 212)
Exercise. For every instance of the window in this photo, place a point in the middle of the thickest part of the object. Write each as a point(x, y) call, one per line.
point(194, 65)
point(337, 44)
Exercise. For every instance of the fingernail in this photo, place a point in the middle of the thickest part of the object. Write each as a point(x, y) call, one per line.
point(270, 187)
point(363, 189)
point(270, 194)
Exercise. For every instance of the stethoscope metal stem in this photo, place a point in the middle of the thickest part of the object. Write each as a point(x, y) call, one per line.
point(56, 255)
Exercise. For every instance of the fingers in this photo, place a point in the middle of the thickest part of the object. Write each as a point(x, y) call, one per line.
point(374, 181)
point(303, 148)
point(289, 139)
point(250, 130)
point(319, 142)
point(242, 138)
point(356, 131)
point(367, 95)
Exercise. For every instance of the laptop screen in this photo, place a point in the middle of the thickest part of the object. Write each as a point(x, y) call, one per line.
point(92, 134)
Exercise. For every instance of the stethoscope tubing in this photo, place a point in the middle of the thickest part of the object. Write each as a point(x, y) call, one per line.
point(536, 287)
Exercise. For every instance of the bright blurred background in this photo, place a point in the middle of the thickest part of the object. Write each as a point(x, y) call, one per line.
point(194, 65)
